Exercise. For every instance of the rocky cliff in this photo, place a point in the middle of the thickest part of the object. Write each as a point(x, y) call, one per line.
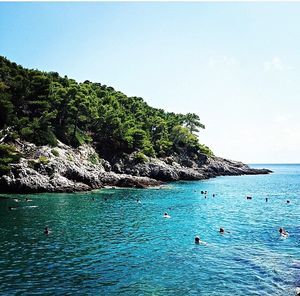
point(65, 169)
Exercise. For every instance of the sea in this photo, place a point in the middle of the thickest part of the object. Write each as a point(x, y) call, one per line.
point(118, 242)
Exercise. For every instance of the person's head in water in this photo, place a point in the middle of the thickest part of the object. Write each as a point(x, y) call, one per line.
point(221, 230)
point(46, 231)
point(287, 201)
point(197, 240)
point(281, 230)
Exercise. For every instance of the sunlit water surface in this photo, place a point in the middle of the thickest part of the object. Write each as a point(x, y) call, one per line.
point(113, 245)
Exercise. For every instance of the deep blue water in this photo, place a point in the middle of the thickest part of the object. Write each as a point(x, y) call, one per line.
point(120, 247)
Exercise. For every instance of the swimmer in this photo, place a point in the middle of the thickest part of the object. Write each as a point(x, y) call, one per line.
point(93, 198)
point(266, 199)
point(198, 241)
point(138, 201)
point(166, 215)
point(283, 232)
point(287, 201)
point(202, 192)
point(222, 231)
point(46, 231)
point(105, 199)
point(214, 195)
point(249, 197)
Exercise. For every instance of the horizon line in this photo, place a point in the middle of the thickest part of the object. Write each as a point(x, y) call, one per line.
point(286, 163)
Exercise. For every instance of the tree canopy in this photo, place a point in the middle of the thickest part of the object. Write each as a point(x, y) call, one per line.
point(45, 107)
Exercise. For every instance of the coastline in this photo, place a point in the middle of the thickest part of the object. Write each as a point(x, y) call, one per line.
point(66, 169)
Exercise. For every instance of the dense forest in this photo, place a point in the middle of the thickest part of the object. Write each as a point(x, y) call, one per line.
point(44, 107)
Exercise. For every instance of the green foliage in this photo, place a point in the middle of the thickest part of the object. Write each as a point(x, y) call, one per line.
point(26, 132)
point(163, 147)
point(184, 141)
point(204, 149)
point(140, 157)
point(44, 137)
point(43, 160)
point(44, 107)
point(55, 152)
point(93, 158)
point(4, 169)
point(8, 156)
point(32, 163)
point(70, 158)
point(38, 133)
point(78, 139)
point(6, 106)
point(192, 122)
point(137, 139)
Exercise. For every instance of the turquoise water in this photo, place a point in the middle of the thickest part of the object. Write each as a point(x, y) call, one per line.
point(120, 247)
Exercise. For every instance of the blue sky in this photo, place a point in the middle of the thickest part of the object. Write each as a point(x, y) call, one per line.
point(237, 65)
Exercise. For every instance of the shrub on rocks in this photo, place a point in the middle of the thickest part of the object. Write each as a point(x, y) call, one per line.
point(93, 158)
point(55, 152)
point(8, 156)
point(140, 157)
point(43, 160)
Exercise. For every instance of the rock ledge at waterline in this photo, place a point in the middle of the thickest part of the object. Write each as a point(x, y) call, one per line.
point(80, 169)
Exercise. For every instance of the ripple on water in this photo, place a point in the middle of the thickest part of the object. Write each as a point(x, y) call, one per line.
point(119, 246)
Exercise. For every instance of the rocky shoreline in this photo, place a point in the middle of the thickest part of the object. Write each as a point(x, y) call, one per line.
point(66, 169)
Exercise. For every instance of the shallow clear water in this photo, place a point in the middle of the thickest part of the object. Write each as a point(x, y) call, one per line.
point(118, 246)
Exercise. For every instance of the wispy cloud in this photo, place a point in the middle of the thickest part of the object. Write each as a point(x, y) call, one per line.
point(223, 61)
point(282, 119)
point(276, 64)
